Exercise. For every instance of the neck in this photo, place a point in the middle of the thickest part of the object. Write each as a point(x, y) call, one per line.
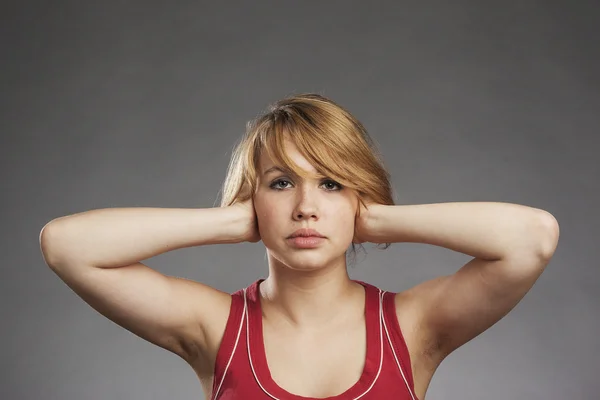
point(311, 300)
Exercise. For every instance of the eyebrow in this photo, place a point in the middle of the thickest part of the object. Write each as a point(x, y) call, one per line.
point(286, 171)
point(274, 169)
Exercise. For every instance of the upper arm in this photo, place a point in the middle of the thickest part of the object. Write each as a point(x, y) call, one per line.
point(459, 307)
point(455, 309)
point(167, 311)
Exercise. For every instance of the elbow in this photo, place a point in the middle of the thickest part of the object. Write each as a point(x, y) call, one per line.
point(49, 241)
point(549, 234)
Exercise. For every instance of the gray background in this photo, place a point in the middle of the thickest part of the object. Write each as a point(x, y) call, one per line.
point(113, 104)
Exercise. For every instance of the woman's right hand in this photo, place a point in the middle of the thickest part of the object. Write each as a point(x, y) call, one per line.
point(250, 232)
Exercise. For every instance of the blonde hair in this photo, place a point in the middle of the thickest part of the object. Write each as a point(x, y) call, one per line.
point(327, 135)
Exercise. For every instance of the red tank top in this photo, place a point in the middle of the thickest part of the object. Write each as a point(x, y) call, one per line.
point(241, 370)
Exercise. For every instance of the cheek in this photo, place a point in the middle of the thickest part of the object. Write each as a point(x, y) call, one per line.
point(269, 217)
point(344, 219)
point(349, 226)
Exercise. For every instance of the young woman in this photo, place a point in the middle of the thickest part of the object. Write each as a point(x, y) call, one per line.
point(307, 180)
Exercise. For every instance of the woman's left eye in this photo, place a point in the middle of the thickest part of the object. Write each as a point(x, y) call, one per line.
point(334, 183)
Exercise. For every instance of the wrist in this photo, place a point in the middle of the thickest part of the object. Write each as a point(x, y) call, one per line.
point(233, 225)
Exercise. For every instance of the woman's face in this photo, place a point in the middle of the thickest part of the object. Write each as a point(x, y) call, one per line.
point(285, 203)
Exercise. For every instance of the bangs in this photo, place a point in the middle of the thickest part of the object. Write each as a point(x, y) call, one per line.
point(314, 142)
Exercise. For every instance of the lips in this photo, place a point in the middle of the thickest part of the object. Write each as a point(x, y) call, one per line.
point(306, 232)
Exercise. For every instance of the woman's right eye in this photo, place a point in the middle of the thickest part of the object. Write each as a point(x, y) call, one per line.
point(278, 181)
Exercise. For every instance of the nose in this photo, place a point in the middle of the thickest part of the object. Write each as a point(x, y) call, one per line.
point(306, 205)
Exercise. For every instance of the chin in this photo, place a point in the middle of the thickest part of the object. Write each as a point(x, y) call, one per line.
point(298, 259)
point(307, 261)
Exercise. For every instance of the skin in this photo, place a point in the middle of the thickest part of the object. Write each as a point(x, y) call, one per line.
point(302, 280)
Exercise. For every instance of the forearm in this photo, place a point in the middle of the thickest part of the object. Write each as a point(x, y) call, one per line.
point(484, 230)
point(115, 237)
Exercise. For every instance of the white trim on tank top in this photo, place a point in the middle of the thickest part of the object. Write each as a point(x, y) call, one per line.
point(412, 395)
point(237, 339)
point(381, 322)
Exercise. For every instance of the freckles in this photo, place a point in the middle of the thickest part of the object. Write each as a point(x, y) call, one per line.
point(344, 213)
point(266, 216)
point(269, 212)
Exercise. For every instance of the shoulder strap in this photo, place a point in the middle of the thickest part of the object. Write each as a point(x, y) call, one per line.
point(231, 338)
point(396, 339)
